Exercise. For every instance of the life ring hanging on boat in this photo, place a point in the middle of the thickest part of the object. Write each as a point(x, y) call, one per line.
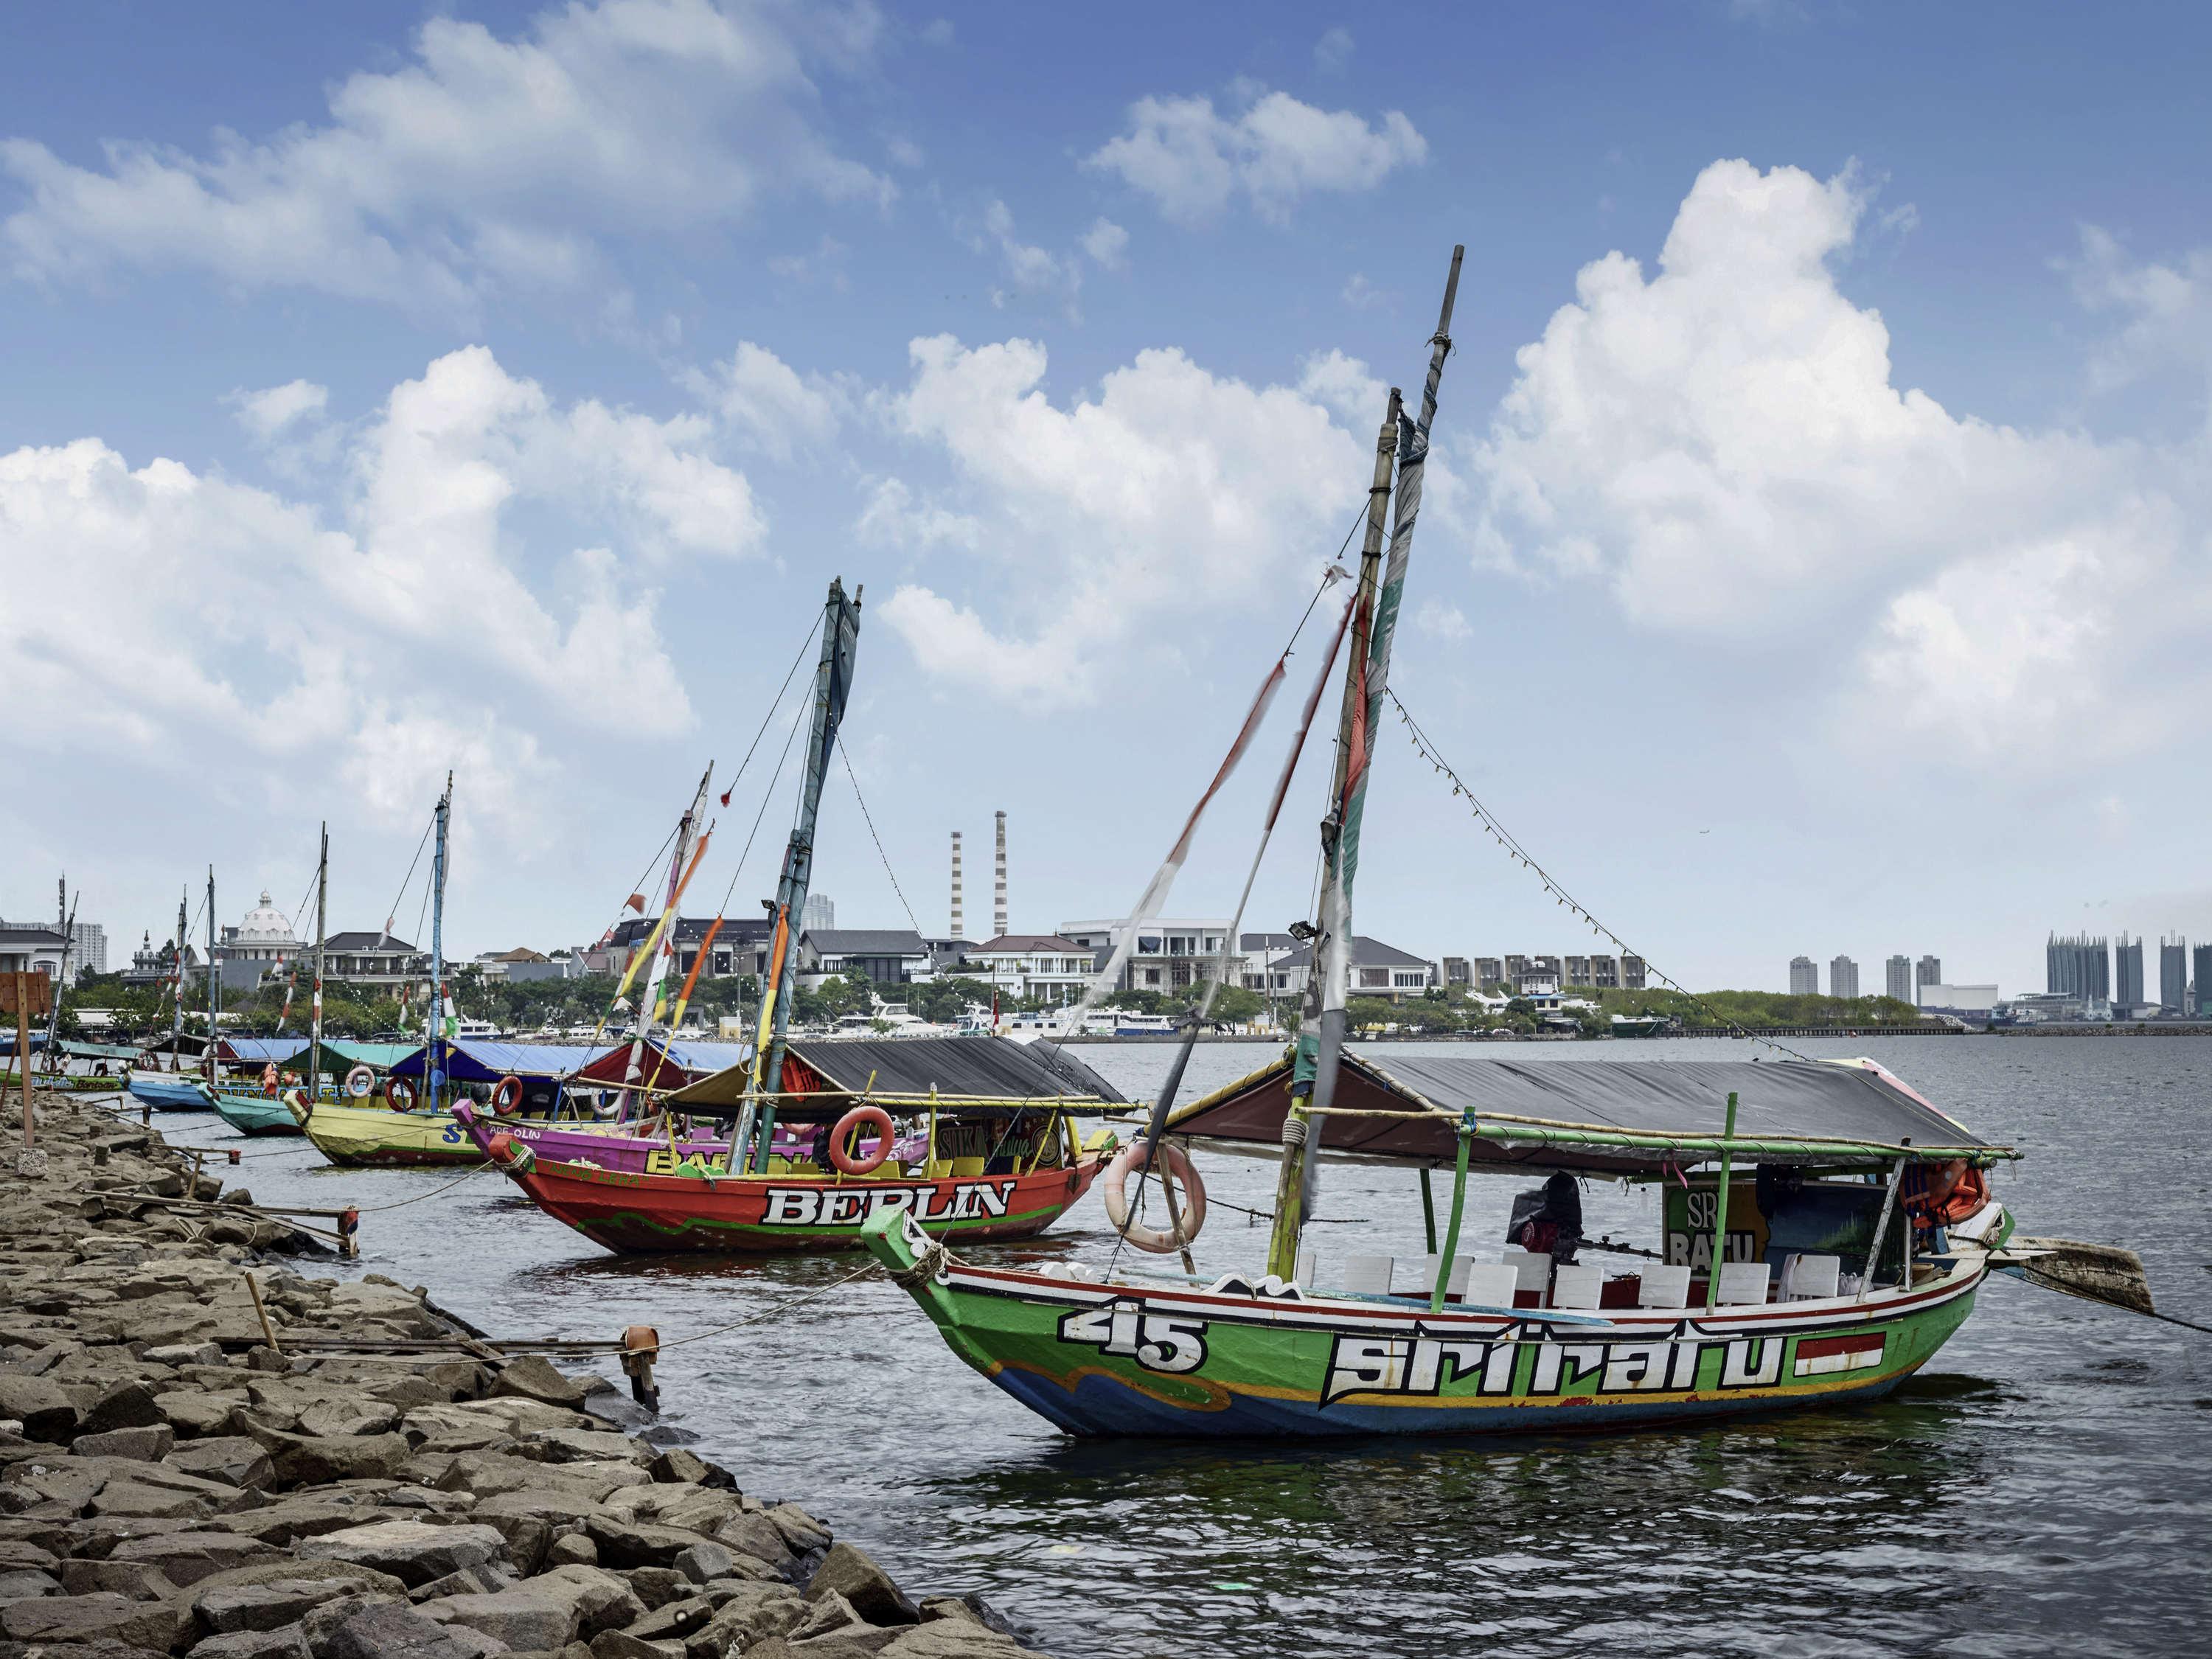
point(400, 1094)
point(359, 1082)
point(269, 1080)
point(507, 1096)
point(845, 1133)
point(1113, 1192)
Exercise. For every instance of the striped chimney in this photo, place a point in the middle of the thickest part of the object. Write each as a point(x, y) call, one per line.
point(957, 933)
point(999, 886)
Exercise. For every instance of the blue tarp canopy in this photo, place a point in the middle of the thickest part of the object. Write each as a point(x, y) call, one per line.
point(260, 1051)
point(474, 1060)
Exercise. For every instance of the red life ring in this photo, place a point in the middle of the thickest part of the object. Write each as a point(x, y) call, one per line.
point(400, 1094)
point(507, 1096)
point(847, 1127)
point(1112, 1190)
point(269, 1080)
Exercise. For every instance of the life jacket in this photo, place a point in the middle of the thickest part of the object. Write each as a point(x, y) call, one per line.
point(1965, 1197)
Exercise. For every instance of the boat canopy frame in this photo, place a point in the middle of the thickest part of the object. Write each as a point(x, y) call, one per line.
point(1411, 1110)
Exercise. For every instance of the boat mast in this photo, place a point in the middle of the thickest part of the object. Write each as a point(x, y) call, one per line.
point(1375, 619)
point(649, 998)
point(437, 1042)
point(215, 979)
point(315, 1017)
point(833, 682)
point(177, 985)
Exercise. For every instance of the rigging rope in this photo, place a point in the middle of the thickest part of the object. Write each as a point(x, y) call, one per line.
point(870, 821)
point(1505, 838)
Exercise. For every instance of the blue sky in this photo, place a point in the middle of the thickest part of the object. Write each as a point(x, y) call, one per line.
point(1816, 561)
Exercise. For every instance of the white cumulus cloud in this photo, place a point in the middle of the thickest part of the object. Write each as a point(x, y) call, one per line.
point(486, 164)
point(1192, 160)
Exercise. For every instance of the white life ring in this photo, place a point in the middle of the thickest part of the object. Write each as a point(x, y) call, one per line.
point(359, 1082)
point(1113, 1190)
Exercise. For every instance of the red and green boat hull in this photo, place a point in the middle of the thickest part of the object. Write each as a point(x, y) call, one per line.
point(634, 1213)
point(1234, 1361)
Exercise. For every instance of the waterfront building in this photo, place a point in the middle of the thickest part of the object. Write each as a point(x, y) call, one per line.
point(2127, 972)
point(1168, 955)
point(1899, 979)
point(256, 947)
point(2173, 974)
point(1456, 973)
point(1378, 971)
point(373, 960)
point(2076, 965)
point(741, 946)
point(819, 915)
point(1489, 972)
point(1928, 971)
point(522, 965)
point(1053, 970)
point(1632, 973)
point(88, 949)
point(886, 956)
point(1843, 979)
point(2200, 962)
point(27, 950)
point(1262, 969)
point(152, 964)
point(1804, 977)
point(1973, 1003)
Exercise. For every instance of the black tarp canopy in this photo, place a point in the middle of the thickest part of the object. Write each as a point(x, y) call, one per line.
point(973, 1074)
point(1620, 1117)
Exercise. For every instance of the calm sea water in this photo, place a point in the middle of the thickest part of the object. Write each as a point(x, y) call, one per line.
point(2045, 1486)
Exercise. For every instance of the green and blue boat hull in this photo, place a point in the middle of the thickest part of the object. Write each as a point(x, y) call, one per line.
point(1235, 1361)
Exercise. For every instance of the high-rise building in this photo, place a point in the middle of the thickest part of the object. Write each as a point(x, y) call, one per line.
point(2200, 962)
point(820, 914)
point(1632, 973)
point(1898, 978)
point(2173, 974)
point(1804, 977)
point(2127, 972)
point(1843, 979)
point(88, 949)
point(1928, 971)
point(2075, 965)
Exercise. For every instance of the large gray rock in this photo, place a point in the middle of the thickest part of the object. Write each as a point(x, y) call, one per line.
point(135, 1579)
point(389, 1630)
point(757, 1536)
point(588, 1445)
point(292, 1519)
point(235, 1460)
point(414, 1551)
point(196, 1412)
point(21, 1585)
point(637, 1544)
point(800, 1530)
point(525, 1618)
point(947, 1639)
point(128, 1405)
point(149, 1443)
point(43, 1409)
point(348, 1414)
point(286, 1643)
point(531, 1377)
point(528, 1519)
point(678, 1620)
point(186, 1558)
point(850, 1573)
point(755, 1612)
point(102, 1615)
point(602, 1600)
point(300, 1460)
point(623, 1644)
point(704, 1560)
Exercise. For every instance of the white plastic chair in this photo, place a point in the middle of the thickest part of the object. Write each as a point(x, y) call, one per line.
point(1532, 1269)
point(1486, 1284)
point(1368, 1275)
point(1811, 1279)
point(1743, 1282)
point(1306, 1269)
point(1425, 1283)
point(1665, 1287)
point(1577, 1287)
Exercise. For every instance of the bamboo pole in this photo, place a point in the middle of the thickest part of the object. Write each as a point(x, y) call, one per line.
point(262, 1312)
point(1428, 1209)
point(1458, 1207)
point(1720, 1209)
point(1881, 1225)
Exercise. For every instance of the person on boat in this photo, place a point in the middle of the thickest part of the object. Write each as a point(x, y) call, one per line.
point(1549, 1220)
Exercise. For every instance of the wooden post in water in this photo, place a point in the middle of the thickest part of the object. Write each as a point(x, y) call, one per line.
point(1720, 1207)
point(26, 994)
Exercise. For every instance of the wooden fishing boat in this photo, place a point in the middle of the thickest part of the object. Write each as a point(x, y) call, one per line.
point(171, 1091)
point(254, 1114)
point(992, 1151)
point(397, 1125)
point(1806, 1309)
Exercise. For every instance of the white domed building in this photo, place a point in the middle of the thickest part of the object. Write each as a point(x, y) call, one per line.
point(260, 945)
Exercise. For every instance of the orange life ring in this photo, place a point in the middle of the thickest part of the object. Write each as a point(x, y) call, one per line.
point(268, 1080)
point(1113, 1191)
point(507, 1096)
point(400, 1094)
point(850, 1126)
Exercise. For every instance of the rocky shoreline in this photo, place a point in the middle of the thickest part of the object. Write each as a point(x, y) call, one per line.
point(171, 1483)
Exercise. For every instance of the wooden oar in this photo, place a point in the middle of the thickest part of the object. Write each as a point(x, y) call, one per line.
point(2103, 1274)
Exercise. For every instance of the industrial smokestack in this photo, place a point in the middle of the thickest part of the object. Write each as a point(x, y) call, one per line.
point(999, 886)
point(956, 932)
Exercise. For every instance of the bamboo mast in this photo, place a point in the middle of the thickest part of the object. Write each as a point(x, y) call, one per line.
point(665, 947)
point(315, 1016)
point(832, 681)
point(213, 979)
point(177, 985)
point(1374, 618)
